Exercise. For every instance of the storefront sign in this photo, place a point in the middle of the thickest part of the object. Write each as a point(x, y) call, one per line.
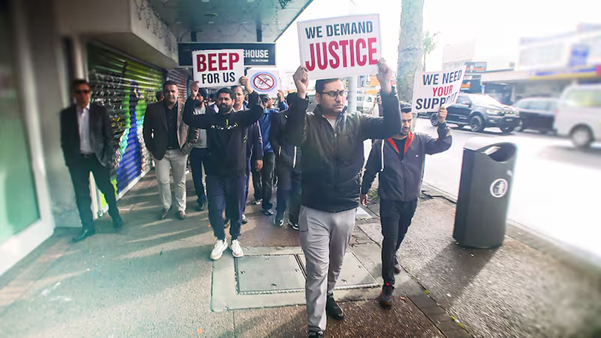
point(340, 47)
point(475, 67)
point(435, 89)
point(218, 68)
point(255, 54)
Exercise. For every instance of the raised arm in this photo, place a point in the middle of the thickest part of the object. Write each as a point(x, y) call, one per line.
point(254, 109)
point(444, 140)
point(257, 140)
point(202, 121)
point(390, 123)
point(295, 130)
point(373, 166)
point(275, 133)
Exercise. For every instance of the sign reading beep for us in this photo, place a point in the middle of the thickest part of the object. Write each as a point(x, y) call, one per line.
point(340, 47)
point(218, 68)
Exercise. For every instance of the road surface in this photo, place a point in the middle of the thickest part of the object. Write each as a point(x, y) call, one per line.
point(556, 190)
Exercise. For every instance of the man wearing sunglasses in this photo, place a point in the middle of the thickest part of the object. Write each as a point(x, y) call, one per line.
point(331, 142)
point(88, 145)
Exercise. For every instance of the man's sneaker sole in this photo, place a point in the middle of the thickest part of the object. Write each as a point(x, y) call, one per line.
point(385, 304)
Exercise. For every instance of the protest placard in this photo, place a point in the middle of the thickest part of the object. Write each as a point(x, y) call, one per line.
point(340, 47)
point(264, 81)
point(432, 90)
point(218, 68)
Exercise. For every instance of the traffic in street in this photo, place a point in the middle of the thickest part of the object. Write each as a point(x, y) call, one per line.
point(556, 186)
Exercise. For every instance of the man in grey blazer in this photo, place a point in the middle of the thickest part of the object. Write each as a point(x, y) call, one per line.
point(166, 137)
point(88, 145)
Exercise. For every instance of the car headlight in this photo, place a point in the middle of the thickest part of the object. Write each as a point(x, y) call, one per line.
point(494, 112)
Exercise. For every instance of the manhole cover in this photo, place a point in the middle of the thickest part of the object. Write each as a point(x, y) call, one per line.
point(269, 274)
point(353, 274)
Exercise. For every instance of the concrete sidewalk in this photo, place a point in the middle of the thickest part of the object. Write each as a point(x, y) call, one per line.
point(155, 279)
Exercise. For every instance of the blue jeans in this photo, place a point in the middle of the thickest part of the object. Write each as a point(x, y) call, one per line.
point(226, 193)
point(197, 158)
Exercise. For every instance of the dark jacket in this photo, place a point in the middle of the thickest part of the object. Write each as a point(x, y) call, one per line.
point(401, 180)
point(254, 143)
point(227, 136)
point(102, 138)
point(194, 134)
point(333, 157)
point(156, 135)
point(287, 154)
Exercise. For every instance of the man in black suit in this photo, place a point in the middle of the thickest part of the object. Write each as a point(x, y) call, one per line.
point(166, 137)
point(88, 143)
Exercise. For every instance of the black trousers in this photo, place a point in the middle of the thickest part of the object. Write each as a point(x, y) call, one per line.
point(289, 189)
point(80, 176)
point(198, 157)
point(396, 218)
point(226, 193)
point(263, 181)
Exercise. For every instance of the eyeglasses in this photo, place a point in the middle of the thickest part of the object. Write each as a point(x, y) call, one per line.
point(82, 91)
point(335, 93)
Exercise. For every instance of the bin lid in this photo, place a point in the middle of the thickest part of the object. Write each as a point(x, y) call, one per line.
point(481, 143)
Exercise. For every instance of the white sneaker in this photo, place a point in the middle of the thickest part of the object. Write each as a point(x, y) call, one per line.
point(218, 249)
point(236, 248)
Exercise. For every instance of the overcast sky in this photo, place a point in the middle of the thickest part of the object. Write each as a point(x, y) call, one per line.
point(497, 24)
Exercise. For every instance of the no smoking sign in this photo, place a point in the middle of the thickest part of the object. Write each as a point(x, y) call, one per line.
point(264, 82)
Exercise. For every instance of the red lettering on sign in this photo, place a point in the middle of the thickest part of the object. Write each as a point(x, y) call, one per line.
point(201, 60)
point(234, 58)
point(223, 61)
point(351, 45)
point(371, 51)
point(311, 66)
point(212, 62)
point(361, 59)
point(343, 45)
point(335, 61)
point(323, 65)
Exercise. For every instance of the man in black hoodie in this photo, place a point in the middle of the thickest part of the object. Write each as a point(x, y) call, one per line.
point(331, 141)
point(400, 162)
point(226, 162)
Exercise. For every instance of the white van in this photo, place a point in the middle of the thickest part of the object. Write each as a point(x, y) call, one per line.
point(578, 114)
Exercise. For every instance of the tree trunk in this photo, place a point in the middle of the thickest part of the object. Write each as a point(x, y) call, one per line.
point(411, 46)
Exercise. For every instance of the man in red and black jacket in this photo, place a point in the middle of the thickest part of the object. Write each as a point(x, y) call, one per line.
point(400, 162)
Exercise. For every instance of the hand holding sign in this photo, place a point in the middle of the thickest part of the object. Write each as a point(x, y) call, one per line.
point(442, 114)
point(301, 80)
point(384, 76)
point(244, 82)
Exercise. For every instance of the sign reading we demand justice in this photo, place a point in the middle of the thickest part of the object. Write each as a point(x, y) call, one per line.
point(432, 90)
point(340, 47)
point(218, 68)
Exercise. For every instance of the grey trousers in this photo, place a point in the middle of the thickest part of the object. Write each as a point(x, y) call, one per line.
point(324, 238)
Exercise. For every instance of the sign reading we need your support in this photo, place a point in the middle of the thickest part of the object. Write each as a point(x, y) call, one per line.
point(342, 46)
point(218, 68)
point(435, 89)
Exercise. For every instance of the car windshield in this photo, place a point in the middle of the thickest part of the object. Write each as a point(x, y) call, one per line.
point(484, 100)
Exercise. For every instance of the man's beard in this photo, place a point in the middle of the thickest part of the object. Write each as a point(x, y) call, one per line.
point(225, 108)
point(405, 131)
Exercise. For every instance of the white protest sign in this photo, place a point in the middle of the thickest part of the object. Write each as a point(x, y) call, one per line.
point(432, 90)
point(264, 81)
point(218, 68)
point(340, 47)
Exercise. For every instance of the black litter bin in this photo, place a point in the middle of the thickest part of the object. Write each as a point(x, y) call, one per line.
point(484, 191)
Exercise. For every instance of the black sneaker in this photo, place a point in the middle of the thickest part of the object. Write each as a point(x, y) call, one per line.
point(244, 219)
point(315, 334)
point(267, 212)
point(386, 297)
point(333, 310)
point(279, 221)
point(294, 226)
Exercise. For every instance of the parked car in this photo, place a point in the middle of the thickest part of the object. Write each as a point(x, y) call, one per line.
point(537, 113)
point(578, 114)
point(480, 111)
